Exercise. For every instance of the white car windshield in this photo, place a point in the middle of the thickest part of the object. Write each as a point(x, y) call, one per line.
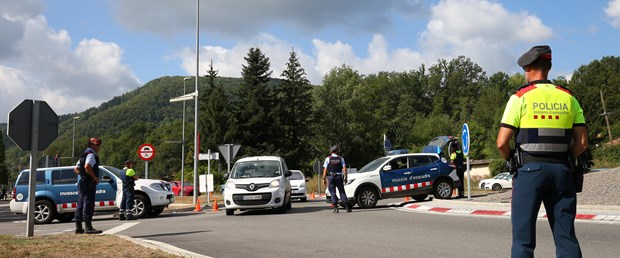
point(296, 176)
point(260, 168)
point(373, 165)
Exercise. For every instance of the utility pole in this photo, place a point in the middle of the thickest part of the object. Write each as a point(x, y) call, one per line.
point(606, 117)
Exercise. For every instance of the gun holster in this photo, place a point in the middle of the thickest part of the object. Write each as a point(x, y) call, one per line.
point(515, 161)
point(577, 169)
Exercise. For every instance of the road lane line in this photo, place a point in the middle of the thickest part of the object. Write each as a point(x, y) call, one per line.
point(120, 228)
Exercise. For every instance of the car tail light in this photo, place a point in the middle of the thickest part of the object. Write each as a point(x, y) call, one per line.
point(14, 193)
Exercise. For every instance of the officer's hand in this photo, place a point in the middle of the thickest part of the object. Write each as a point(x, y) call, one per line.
point(96, 180)
point(324, 181)
point(344, 180)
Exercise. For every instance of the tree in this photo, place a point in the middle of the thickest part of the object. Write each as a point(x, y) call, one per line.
point(293, 100)
point(587, 83)
point(254, 106)
point(216, 121)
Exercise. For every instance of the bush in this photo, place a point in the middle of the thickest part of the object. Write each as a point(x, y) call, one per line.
point(497, 166)
point(606, 156)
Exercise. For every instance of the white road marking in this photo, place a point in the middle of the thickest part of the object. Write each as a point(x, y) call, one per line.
point(120, 228)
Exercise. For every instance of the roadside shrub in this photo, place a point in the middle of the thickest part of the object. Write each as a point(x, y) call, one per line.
point(606, 156)
point(497, 166)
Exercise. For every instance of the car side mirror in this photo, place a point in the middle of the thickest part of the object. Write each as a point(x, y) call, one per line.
point(226, 176)
point(288, 173)
point(387, 168)
point(307, 180)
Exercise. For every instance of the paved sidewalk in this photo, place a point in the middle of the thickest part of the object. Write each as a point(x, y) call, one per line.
point(471, 207)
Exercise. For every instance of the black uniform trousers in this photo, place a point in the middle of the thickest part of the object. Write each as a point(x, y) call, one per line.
point(127, 201)
point(553, 185)
point(86, 200)
point(336, 182)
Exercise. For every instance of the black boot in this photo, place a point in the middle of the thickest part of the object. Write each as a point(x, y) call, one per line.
point(78, 228)
point(121, 215)
point(129, 216)
point(336, 209)
point(348, 208)
point(89, 228)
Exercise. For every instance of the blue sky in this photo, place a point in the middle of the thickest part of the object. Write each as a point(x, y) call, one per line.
point(77, 54)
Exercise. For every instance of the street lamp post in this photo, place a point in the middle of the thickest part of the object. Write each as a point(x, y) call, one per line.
point(73, 144)
point(196, 147)
point(183, 141)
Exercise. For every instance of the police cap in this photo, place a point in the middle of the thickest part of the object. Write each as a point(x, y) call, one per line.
point(127, 162)
point(95, 141)
point(333, 149)
point(536, 53)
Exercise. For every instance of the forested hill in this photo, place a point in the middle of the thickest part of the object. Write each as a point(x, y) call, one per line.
point(128, 119)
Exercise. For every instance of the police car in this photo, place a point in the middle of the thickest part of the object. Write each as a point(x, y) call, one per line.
point(57, 194)
point(413, 175)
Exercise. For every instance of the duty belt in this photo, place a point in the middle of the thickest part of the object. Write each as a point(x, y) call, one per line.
point(561, 158)
point(335, 173)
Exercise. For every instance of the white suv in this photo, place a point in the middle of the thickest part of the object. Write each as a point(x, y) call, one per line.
point(258, 183)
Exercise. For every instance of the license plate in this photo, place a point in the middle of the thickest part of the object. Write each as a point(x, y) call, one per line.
point(252, 197)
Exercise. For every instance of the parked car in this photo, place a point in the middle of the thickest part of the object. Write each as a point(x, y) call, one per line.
point(258, 183)
point(188, 188)
point(414, 174)
point(56, 194)
point(500, 181)
point(298, 185)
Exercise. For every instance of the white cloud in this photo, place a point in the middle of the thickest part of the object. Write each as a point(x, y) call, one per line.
point(41, 64)
point(613, 13)
point(484, 31)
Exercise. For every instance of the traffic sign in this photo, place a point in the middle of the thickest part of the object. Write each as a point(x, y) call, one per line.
point(146, 152)
point(229, 151)
point(465, 139)
point(27, 115)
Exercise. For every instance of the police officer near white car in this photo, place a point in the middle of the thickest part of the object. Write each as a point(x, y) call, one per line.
point(129, 177)
point(550, 131)
point(335, 172)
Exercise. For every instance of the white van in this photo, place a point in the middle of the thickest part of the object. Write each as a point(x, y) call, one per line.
point(258, 183)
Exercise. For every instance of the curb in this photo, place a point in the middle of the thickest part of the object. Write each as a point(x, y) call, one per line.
point(162, 246)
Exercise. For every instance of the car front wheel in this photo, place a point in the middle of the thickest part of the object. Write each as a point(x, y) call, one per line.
point(367, 198)
point(141, 205)
point(442, 189)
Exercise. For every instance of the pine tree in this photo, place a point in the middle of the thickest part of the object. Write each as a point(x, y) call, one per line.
point(254, 106)
point(294, 100)
point(216, 121)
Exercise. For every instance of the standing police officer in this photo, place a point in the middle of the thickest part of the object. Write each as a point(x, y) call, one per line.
point(458, 158)
point(128, 176)
point(335, 168)
point(550, 129)
point(88, 169)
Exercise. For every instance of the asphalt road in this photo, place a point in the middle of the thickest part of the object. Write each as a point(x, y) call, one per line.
point(311, 229)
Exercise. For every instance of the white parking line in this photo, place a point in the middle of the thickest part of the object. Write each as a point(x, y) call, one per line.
point(120, 228)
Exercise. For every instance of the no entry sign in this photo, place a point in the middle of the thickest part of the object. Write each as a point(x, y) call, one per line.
point(146, 152)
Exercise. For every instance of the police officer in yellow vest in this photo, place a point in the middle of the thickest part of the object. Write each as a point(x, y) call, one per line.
point(550, 128)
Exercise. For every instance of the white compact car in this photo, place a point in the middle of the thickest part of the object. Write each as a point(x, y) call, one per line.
point(258, 183)
point(501, 181)
point(298, 185)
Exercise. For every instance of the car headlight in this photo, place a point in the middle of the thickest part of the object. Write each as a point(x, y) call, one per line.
point(230, 185)
point(158, 186)
point(275, 183)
